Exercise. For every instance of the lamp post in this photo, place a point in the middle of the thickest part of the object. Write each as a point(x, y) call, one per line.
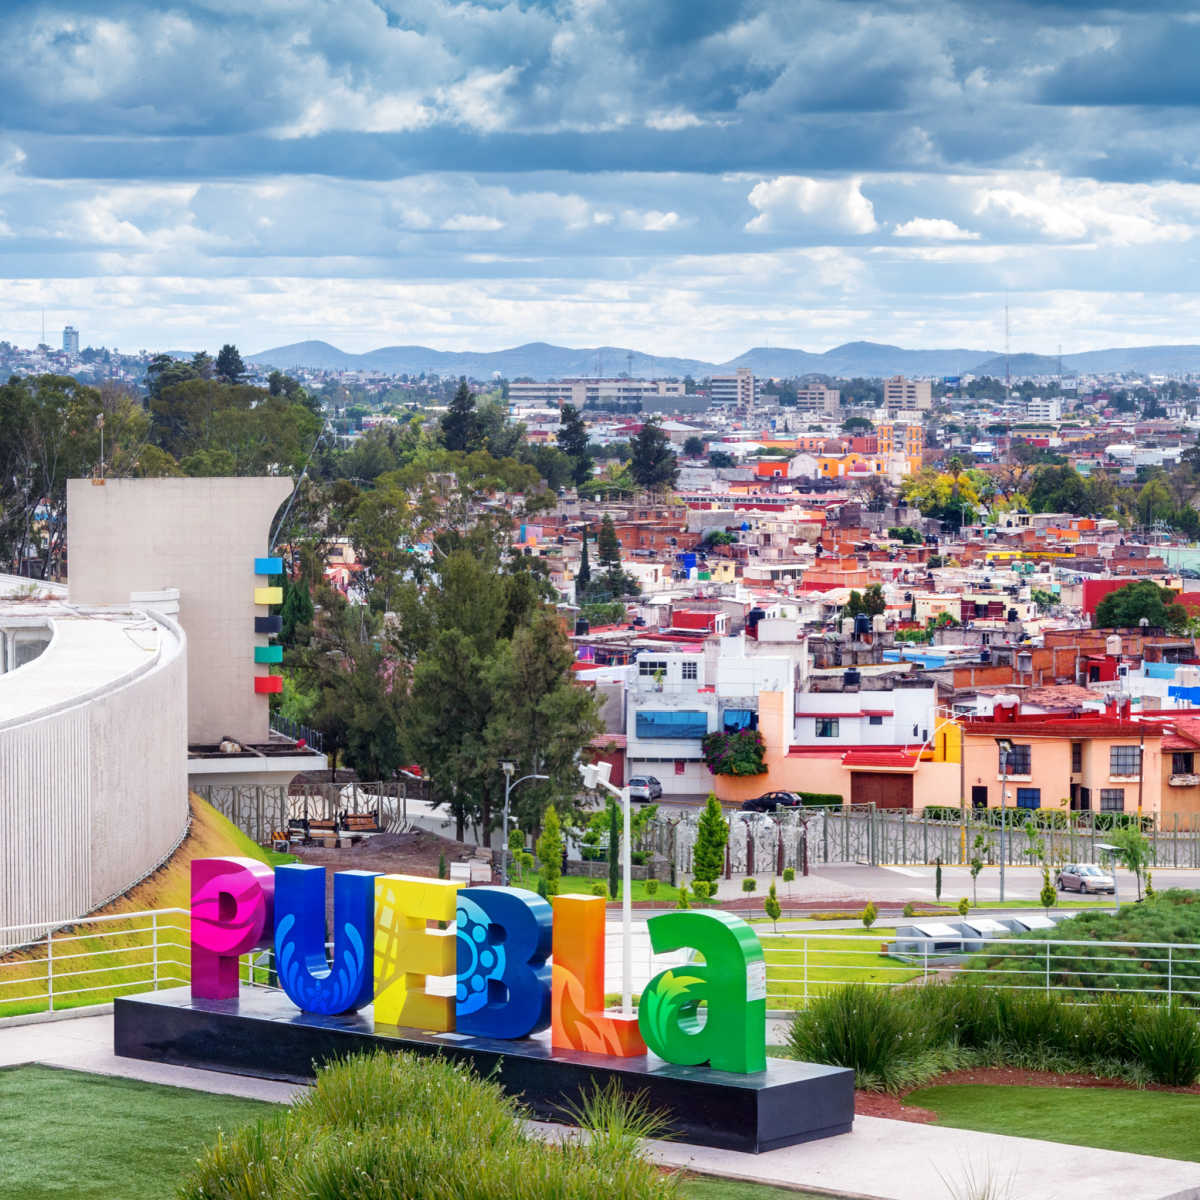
point(1005, 745)
point(510, 769)
point(595, 775)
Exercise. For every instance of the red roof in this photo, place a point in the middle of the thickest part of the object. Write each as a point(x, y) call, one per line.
point(878, 760)
point(1057, 725)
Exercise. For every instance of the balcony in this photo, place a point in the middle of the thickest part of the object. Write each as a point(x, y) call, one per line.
point(1183, 780)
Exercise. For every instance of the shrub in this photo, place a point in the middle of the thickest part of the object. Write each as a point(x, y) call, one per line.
point(383, 1125)
point(1166, 1041)
point(599, 889)
point(651, 887)
point(789, 873)
point(873, 1031)
point(868, 915)
point(741, 752)
point(772, 907)
point(682, 902)
point(821, 799)
point(910, 909)
point(964, 907)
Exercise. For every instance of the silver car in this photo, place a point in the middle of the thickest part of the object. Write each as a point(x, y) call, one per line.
point(1086, 878)
point(644, 788)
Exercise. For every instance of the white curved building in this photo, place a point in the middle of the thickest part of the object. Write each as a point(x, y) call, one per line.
point(93, 780)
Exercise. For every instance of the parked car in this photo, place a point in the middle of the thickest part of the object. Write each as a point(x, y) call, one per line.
point(770, 801)
point(644, 788)
point(1085, 877)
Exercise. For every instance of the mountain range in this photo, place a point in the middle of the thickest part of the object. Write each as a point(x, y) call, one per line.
point(541, 360)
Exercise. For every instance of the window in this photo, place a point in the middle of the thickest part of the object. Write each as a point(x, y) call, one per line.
point(827, 727)
point(1112, 799)
point(1181, 763)
point(1076, 757)
point(649, 667)
point(874, 720)
point(1124, 760)
point(1020, 761)
point(1029, 797)
point(671, 724)
point(689, 671)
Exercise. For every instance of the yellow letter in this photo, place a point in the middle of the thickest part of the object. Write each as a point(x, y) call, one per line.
point(407, 950)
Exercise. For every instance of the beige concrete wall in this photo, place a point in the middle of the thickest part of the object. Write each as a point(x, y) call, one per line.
point(200, 536)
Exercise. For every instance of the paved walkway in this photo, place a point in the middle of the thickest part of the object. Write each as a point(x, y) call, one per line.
point(880, 1159)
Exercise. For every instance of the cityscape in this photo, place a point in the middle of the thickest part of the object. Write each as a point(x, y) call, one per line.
point(599, 604)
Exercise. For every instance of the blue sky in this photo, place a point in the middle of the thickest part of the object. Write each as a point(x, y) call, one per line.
point(687, 177)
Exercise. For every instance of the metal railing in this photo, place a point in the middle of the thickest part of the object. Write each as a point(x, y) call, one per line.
point(46, 968)
point(803, 965)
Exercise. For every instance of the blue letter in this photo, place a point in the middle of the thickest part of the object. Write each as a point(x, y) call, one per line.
point(304, 972)
point(504, 937)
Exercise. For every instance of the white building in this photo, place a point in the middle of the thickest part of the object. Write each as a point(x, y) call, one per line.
point(70, 341)
point(1045, 408)
point(899, 392)
point(740, 389)
point(601, 393)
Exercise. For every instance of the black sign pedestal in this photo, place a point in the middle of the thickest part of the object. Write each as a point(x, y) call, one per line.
point(263, 1034)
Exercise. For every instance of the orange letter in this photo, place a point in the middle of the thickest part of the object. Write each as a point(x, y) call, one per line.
point(407, 951)
point(578, 1020)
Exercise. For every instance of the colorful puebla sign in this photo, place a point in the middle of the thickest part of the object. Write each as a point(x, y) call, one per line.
point(495, 949)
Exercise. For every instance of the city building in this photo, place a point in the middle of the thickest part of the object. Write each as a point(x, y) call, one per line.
point(70, 340)
point(899, 392)
point(818, 399)
point(591, 393)
point(740, 389)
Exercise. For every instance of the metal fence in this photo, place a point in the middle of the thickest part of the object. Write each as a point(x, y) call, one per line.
point(295, 730)
point(803, 965)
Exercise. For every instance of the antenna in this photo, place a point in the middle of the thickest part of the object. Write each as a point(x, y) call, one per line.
point(43, 326)
point(629, 364)
point(1007, 359)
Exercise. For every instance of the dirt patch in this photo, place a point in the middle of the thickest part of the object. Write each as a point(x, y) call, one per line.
point(882, 1104)
point(414, 853)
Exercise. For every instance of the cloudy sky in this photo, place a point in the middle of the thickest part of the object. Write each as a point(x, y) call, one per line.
point(682, 176)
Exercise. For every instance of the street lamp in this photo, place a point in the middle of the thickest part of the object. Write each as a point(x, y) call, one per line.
point(595, 775)
point(1005, 745)
point(510, 769)
point(1114, 852)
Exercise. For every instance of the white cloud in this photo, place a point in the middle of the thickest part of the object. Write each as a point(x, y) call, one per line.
point(936, 229)
point(797, 202)
point(651, 221)
point(472, 223)
point(673, 120)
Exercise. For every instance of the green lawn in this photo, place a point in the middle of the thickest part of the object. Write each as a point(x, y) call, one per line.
point(1164, 1124)
point(831, 960)
point(710, 1188)
point(92, 1137)
point(581, 885)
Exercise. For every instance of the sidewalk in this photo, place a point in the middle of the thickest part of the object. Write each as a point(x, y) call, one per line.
point(880, 1159)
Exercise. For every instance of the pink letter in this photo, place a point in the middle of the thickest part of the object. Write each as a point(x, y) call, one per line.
point(233, 904)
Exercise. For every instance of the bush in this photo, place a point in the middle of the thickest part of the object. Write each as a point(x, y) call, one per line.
point(738, 753)
point(868, 915)
point(384, 1125)
point(599, 889)
point(651, 887)
point(964, 907)
point(1166, 1041)
point(821, 799)
point(789, 874)
point(910, 909)
point(749, 883)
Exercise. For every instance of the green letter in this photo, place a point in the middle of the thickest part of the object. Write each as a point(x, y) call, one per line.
point(731, 983)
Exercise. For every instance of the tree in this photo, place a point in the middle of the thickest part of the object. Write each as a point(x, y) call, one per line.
point(856, 425)
point(979, 845)
point(584, 575)
point(871, 602)
point(708, 854)
point(608, 548)
point(772, 907)
point(614, 849)
point(653, 464)
point(720, 460)
point(869, 914)
point(296, 612)
point(693, 447)
point(460, 424)
point(573, 442)
point(1135, 850)
point(230, 367)
point(549, 851)
point(1126, 607)
point(1047, 895)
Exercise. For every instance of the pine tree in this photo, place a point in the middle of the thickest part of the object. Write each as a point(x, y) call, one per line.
point(772, 907)
point(549, 851)
point(584, 575)
point(573, 442)
point(708, 856)
point(608, 548)
point(614, 848)
point(296, 611)
point(230, 367)
point(653, 464)
point(460, 425)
